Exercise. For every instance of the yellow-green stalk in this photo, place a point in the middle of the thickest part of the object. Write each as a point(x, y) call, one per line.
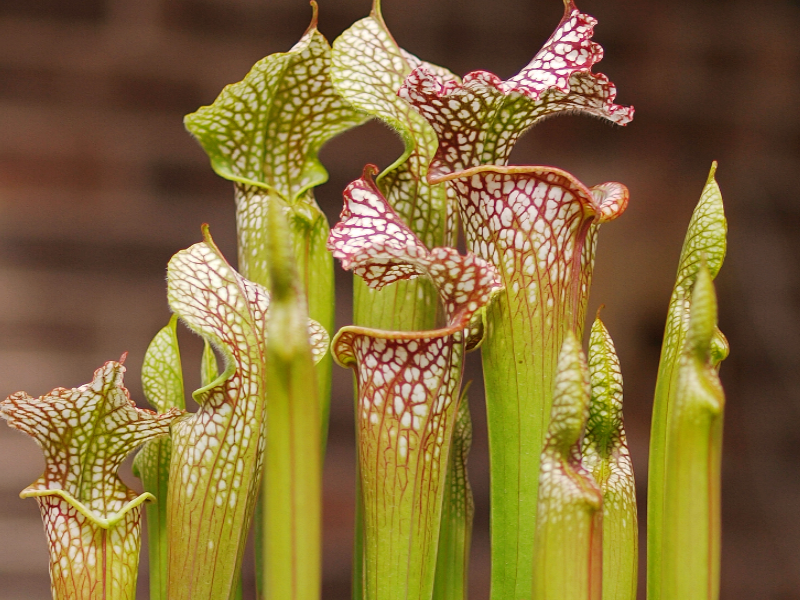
point(292, 486)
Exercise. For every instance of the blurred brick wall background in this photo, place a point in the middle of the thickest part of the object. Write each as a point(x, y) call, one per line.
point(100, 184)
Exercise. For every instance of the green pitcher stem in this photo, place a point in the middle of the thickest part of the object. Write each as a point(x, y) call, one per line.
point(308, 231)
point(518, 374)
point(357, 581)
point(402, 306)
point(292, 485)
point(292, 481)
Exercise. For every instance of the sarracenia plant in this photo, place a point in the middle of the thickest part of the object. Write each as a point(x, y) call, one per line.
point(91, 519)
point(686, 436)
point(562, 496)
point(408, 390)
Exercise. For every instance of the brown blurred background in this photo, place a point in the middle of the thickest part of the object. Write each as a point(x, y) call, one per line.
point(100, 185)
